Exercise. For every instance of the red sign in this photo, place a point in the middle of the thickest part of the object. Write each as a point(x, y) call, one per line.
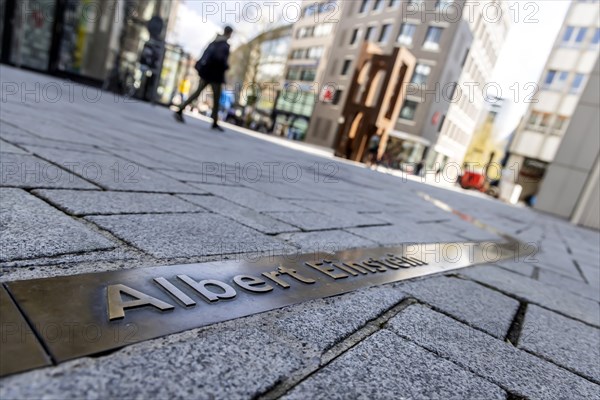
point(327, 94)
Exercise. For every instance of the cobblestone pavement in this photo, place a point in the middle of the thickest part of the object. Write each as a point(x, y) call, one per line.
point(93, 183)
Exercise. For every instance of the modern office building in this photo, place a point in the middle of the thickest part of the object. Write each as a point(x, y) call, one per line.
point(465, 114)
point(257, 72)
point(571, 185)
point(310, 48)
point(433, 31)
point(566, 73)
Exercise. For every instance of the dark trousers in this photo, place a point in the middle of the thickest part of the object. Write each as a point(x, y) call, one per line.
point(216, 88)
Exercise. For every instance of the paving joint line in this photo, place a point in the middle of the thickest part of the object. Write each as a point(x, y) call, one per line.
point(345, 344)
point(514, 332)
point(521, 299)
point(31, 326)
point(461, 366)
point(580, 271)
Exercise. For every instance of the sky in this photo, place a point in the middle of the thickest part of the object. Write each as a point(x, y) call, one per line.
point(534, 27)
point(524, 54)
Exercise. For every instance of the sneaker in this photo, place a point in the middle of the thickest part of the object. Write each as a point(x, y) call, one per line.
point(218, 128)
point(179, 117)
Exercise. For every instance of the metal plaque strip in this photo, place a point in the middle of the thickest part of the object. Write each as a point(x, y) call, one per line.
point(86, 314)
point(20, 349)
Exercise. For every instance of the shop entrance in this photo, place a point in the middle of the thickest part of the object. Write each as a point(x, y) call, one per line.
point(75, 39)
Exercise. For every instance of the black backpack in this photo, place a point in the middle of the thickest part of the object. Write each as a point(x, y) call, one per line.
point(206, 58)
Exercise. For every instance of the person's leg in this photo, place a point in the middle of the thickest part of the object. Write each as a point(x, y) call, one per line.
point(201, 86)
point(216, 88)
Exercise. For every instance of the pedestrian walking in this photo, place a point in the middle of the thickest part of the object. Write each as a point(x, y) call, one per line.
point(211, 68)
point(373, 150)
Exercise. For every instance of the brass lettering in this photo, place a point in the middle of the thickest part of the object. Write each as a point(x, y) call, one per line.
point(397, 262)
point(201, 287)
point(387, 264)
point(352, 268)
point(327, 270)
point(250, 283)
point(375, 264)
point(175, 292)
point(117, 307)
point(273, 275)
point(416, 260)
point(406, 260)
point(294, 274)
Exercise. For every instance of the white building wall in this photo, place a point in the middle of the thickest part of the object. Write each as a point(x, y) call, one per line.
point(465, 114)
point(570, 187)
point(542, 141)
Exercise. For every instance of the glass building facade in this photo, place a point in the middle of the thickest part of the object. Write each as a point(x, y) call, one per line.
point(82, 40)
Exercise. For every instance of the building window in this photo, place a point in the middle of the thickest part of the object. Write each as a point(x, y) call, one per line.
point(574, 36)
point(581, 35)
point(408, 110)
point(421, 74)
point(311, 10)
point(394, 3)
point(314, 53)
point(336, 97)
point(363, 6)
point(308, 74)
point(378, 5)
point(306, 32)
point(432, 39)
point(568, 34)
point(293, 74)
point(296, 102)
point(346, 67)
point(577, 84)
point(385, 33)
point(407, 32)
point(560, 124)
point(370, 33)
point(538, 121)
point(556, 80)
point(442, 4)
point(596, 38)
point(323, 29)
point(355, 35)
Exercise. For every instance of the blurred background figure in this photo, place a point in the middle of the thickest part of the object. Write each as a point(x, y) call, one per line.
point(211, 68)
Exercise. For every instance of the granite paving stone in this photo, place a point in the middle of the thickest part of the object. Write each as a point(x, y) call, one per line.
point(591, 273)
point(313, 221)
point(566, 283)
point(518, 266)
point(336, 317)
point(512, 369)
point(487, 310)
point(562, 340)
point(111, 172)
point(28, 171)
point(200, 177)
point(187, 235)
point(236, 359)
point(32, 229)
point(405, 233)
point(101, 202)
point(6, 147)
point(537, 292)
point(325, 241)
point(385, 366)
point(338, 210)
point(243, 215)
point(249, 198)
